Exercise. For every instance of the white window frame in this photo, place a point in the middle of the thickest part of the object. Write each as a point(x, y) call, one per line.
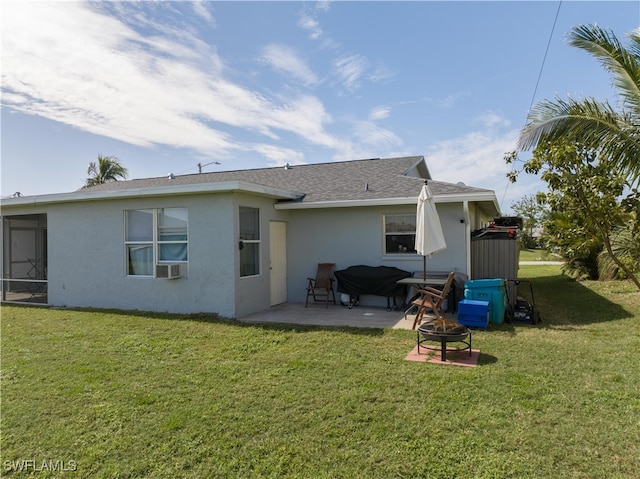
point(154, 242)
point(242, 242)
point(401, 244)
point(168, 229)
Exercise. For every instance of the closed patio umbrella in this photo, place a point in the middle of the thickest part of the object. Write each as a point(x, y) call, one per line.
point(429, 236)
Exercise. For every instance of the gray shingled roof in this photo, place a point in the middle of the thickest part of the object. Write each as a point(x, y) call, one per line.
point(339, 181)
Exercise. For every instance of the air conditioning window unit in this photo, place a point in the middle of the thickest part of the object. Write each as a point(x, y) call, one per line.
point(168, 271)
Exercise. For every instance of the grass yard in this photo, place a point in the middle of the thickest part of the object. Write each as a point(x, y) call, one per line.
point(118, 395)
point(537, 255)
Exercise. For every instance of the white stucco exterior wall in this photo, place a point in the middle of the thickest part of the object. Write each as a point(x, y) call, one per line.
point(87, 266)
point(87, 256)
point(253, 293)
point(354, 236)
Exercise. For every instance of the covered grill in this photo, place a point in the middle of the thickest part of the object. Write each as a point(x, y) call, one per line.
point(374, 280)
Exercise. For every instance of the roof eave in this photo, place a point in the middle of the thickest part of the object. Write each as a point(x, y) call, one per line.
point(190, 189)
point(486, 197)
point(475, 197)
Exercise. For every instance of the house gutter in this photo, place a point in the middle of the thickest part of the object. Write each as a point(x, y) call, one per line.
point(409, 200)
point(189, 189)
point(289, 200)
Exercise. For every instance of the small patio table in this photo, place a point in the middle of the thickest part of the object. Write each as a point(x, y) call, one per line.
point(416, 283)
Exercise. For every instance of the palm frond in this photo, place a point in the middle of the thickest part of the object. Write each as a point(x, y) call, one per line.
point(623, 63)
point(107, 169)
point(592, 123)
point(634, 42)
point(551, 120)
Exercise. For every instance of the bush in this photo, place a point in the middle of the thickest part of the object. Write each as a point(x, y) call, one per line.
point(527, 241)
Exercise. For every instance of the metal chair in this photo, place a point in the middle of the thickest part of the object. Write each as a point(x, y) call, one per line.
point(321, 287)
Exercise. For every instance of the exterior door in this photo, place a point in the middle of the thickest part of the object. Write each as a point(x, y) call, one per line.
point(278, 261)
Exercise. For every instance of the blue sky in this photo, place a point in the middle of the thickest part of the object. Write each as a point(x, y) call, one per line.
point(164, 86)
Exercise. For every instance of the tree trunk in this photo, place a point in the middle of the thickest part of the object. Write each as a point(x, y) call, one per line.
point(621, 265)
point(604, 232)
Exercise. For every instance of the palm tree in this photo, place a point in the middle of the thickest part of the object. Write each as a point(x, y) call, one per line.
point(107, 169)
point(596, 124)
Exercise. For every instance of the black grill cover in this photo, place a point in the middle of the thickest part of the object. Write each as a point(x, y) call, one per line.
point(376, 280)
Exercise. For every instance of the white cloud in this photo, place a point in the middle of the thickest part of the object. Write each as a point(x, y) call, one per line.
point(350, 68)
point(200, 8)
point(306, 116)
point(307, 22)
point(89, 71)
point(477, 159)
point(279, 156)
point(323, 5)
point(379, 113)
point(285, 59)
point(491, 119)
point(380, 72)
point(367, 140)
point(373, 136)
point(69, 63)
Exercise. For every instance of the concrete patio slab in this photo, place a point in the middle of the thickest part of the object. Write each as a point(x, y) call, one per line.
point(334, 315)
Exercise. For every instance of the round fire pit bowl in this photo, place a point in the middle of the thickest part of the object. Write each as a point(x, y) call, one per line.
point(426, 332)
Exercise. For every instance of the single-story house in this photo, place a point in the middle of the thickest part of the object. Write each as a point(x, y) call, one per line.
point(230, 242)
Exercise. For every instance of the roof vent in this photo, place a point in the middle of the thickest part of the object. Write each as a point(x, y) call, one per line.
point(172, 176)
point(460, 183)
point(287, 166)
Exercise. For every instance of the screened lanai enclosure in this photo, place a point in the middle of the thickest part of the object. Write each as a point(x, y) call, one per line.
point(24, 258)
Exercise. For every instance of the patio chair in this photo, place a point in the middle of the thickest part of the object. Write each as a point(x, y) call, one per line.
point(432, 299)
point(321, 287)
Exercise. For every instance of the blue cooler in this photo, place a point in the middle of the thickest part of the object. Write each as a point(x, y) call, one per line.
point(492, 290)
point(473, 313)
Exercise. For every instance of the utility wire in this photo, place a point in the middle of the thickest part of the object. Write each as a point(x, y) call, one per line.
point(535, 90)
point(544, 59)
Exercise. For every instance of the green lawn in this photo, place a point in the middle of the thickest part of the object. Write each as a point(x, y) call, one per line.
point(537, 255)
point(117, 395)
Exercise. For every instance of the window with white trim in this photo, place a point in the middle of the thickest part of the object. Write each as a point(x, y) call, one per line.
point(249, 243)
point(400, 233)
point(155, 236)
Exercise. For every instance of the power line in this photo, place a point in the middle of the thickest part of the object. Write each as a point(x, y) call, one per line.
point(544, 59)
point(535, 90)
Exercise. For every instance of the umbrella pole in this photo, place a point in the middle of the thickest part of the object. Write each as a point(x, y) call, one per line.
point(424, 266)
